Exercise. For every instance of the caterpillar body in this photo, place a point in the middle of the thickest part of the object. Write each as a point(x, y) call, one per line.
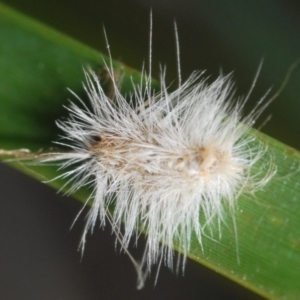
point(161, 159)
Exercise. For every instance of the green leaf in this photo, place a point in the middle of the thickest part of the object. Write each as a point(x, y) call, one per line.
point(261, 250)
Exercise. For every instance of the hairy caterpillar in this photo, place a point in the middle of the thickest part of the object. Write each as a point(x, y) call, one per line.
point(161, 160)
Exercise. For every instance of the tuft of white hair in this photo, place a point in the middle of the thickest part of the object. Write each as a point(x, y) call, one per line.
point(161, 160)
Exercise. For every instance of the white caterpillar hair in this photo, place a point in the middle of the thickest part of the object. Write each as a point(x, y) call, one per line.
point(160, 164)
point(161, 160)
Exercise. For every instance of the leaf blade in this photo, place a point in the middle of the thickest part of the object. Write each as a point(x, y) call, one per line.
point(37, 64)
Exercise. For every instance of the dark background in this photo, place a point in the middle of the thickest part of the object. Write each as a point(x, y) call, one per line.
point(39, 258)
